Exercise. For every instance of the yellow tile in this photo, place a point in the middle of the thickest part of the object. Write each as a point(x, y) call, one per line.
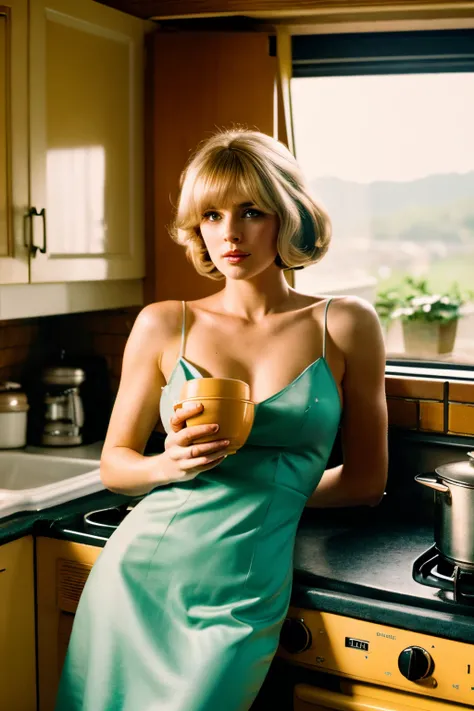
point(461, 419)
point(461, 391)
point(432, 416)
point(424, 388)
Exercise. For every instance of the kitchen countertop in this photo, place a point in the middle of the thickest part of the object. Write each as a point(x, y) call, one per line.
point(355, 562)
point(359, 563)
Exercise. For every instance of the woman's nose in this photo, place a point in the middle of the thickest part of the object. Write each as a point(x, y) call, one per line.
point(232, 232)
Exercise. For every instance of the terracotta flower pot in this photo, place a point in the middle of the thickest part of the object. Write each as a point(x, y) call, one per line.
point(429, 338)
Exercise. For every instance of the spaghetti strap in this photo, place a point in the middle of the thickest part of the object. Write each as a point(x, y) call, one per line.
point(326, 326)
point(183, 331)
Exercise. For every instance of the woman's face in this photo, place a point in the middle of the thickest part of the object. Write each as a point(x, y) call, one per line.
point(241, 239)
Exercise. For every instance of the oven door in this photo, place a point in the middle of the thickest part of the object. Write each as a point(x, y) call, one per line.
point(364, 697)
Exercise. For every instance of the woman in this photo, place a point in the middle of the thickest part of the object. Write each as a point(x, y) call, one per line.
point(183, 609)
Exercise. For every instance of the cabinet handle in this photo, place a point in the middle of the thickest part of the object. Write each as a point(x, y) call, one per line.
point(33, 212)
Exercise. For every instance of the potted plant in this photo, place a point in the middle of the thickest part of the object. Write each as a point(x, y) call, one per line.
point(429, 319)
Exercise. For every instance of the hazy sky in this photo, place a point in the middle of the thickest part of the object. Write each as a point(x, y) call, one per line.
point(384, 127)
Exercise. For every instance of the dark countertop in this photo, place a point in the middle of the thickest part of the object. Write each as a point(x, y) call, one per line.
point(42, 522)
point(359, 563)
point(354, 562)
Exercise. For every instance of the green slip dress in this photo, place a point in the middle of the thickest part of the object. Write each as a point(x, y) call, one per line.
point(182, 610)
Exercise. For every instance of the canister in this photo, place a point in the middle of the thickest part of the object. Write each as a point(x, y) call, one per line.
point(13, 415)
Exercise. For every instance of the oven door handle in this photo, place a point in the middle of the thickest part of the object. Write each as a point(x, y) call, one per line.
point(358, 698)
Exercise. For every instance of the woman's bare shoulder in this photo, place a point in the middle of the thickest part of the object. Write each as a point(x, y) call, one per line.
point(352, 307)
point(159, 322)
point(353, 323)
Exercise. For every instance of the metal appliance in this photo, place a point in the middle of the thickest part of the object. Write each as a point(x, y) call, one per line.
point(63, 408)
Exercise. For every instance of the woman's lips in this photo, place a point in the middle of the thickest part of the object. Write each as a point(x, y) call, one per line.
point(236, 258)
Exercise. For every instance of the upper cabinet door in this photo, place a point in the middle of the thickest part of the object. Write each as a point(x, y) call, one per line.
point(86, 142)
point(13, 141)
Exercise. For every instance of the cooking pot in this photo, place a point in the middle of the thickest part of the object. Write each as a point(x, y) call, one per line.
point(454, 514)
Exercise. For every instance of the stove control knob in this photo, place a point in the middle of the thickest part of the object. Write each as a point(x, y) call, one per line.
point(295, 637)
point(415, 663)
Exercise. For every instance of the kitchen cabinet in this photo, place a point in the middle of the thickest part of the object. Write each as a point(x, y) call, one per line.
point(17, 626)
point(72, 155)
point(13, 140)
point(62, 568)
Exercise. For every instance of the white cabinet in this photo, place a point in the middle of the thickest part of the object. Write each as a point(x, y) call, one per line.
point(71, 177)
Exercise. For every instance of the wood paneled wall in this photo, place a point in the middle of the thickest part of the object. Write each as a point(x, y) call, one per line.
point(199, 82)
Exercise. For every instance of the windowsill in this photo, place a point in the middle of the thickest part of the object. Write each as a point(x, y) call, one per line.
point(434, 371)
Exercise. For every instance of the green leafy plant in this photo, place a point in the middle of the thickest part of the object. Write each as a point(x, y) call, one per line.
point(412, 300)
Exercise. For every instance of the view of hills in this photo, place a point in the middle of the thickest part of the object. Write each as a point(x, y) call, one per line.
point(438, 207)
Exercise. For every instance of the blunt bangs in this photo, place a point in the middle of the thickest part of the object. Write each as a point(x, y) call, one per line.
point(223, 175)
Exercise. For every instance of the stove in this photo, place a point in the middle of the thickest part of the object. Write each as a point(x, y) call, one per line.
point(432, 569)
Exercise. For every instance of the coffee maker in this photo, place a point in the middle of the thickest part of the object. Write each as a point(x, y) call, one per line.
point(63, 409)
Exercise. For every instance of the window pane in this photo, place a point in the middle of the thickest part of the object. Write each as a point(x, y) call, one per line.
point(392, 159)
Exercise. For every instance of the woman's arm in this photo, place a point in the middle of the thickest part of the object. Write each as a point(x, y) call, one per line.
point(123, 468)
point(362, 477)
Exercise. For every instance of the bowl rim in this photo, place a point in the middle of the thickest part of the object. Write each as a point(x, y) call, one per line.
point(179, 403)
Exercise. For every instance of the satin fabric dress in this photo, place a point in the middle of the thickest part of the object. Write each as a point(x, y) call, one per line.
point(182, 610)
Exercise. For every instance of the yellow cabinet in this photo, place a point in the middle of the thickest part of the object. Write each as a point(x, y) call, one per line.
point(17, 626)
point(62, 568)
point(71, 142)
point(13, 141)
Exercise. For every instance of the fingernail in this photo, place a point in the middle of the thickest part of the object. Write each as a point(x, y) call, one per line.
point(215, 428)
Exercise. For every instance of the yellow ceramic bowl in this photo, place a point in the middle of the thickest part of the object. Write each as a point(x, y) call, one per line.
point(234, 417)
point(215, 387)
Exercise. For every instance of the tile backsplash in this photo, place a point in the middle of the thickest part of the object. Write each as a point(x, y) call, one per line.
point(16, 340)
point(27, 343)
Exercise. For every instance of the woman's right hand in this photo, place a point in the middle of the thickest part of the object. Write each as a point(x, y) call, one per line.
point(183, 458)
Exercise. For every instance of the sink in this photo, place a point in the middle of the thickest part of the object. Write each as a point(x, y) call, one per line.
point(31, 482)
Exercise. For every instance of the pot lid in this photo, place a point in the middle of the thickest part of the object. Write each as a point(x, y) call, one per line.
point(459, 472)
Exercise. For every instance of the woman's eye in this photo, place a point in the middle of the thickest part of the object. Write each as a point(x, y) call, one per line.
point(252, 213)
point(211, 215)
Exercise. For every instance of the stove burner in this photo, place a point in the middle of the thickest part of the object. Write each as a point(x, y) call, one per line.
point(437, 572)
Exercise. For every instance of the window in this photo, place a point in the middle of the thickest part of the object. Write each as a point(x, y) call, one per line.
point(383, 132)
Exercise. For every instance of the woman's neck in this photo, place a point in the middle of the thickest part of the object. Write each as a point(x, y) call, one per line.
point(253, 299)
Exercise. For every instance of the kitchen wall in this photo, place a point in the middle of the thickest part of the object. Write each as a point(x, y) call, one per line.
point(26, 343)
point(93, 341)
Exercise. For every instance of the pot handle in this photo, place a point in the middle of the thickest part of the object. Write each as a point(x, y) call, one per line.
point(432, 482)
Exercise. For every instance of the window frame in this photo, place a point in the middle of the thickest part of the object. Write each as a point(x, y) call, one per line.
point(379, 53)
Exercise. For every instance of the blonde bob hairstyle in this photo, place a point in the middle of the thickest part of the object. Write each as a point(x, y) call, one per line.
point(249, 163)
